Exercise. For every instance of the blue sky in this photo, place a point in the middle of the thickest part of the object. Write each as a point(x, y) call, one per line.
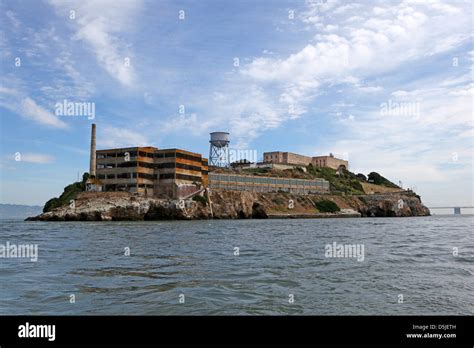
point(312, 77)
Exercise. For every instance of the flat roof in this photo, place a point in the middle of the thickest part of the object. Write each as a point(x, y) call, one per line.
point(151, 148)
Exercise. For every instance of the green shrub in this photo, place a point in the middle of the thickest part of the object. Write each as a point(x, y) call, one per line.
point(378, 179)
point(326, 206)
point(70, 192)
point(202, 199)
point(256, 170)
point(51, 204)
point(355, 184)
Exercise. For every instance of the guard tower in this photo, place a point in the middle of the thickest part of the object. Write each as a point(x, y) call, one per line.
point(219, 149)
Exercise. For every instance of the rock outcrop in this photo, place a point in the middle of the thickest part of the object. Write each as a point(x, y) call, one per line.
point(393, 205)
point(116, 206)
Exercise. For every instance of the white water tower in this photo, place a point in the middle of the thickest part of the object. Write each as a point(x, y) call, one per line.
point(219, 149)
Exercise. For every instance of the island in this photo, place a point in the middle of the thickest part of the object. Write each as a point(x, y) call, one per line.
point(350, 195)
point(147, 183)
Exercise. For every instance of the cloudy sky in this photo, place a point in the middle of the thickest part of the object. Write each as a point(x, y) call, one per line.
point(385, 84)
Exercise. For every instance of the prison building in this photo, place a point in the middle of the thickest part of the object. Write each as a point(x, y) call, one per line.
point(330, 162)
point(289, 158)
point(267, 184)
point(150, 171)
point(293, 159)
point(180, 173)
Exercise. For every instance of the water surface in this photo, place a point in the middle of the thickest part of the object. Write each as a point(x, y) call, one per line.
point(408, 256)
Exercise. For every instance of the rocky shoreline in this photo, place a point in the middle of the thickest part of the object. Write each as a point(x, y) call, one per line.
point(220, 204)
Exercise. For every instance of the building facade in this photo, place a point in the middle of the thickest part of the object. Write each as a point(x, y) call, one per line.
point(293, 159)
point(267, 184)
point(329, 161)
point(289, 158)
point(150, 171)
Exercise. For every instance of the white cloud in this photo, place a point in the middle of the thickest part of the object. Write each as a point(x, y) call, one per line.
point(189, 122)
point(370, 89)
point(13, 19)
point(28, 109)
point(113, 137)
point(101, 25)
point(393, 34)
point(37, 158)
point(34, 112)
point(358, 49)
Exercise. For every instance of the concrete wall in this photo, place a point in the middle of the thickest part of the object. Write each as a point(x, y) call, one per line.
point(273, 157)
point(330, 162)
point(267, 184)
point(286, 158)
point(294, 158)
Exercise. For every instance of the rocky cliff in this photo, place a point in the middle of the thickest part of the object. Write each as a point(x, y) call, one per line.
point(115, 206)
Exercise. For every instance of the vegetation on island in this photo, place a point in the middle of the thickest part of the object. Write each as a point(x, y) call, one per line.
point(201, 199)
point(340, 181)
point(70, 192)
point(327, 206)
point(378, 179)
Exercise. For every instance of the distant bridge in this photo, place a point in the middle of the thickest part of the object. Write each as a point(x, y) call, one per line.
point(457, 210)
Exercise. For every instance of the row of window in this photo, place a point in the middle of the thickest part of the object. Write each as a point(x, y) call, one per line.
point(225, 184)
point(177, 165)
point(150, 176)
point(258, 188)
point(267, 180)
point(130, 164)
point(128, 176)
point(118, 165)
point(151, 155)
point(116, 154)
point(118, 187)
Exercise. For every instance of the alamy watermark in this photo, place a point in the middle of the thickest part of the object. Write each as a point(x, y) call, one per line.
point(27, 251)
point(68, 108)
point(394, 108)
point(37, 331)
point(242, 156)
point(345, 251)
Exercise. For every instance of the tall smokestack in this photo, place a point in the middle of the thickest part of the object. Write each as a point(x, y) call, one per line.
point(93, 157)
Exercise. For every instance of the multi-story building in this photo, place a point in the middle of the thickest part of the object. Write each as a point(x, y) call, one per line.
point(150, 171)
point(293, 159)
point(179, 172)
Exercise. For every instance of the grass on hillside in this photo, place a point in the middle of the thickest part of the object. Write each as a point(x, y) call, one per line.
point(70, 193)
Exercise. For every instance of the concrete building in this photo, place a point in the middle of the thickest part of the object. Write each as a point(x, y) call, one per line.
point(176, 173)
point(179, 172)
point(150, 171)
point(267, 184)
point(168, 173)
point(329, 161)
point(289, 158)
point(293, 159)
